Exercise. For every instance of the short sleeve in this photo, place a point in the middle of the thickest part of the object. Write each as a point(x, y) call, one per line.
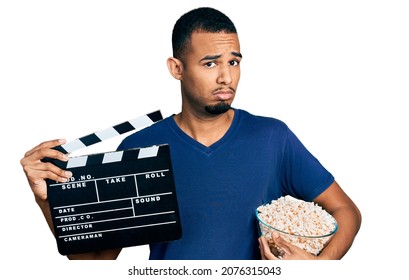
point(303, 176)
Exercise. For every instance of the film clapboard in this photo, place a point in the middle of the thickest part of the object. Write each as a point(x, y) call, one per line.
point(115, 199)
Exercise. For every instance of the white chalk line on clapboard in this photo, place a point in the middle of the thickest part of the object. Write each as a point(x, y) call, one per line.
point(123, 218)
point(111, 200)
point(119, 229)
point(110, 177)
point(107, 211)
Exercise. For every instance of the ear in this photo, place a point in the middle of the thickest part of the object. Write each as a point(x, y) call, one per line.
point(175, 67)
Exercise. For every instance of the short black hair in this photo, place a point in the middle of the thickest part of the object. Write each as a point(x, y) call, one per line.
point(203, 19)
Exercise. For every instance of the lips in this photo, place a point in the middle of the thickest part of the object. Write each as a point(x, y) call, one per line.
point(224, 94)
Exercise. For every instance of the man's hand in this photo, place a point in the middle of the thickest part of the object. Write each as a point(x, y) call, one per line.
point(290, 252)
point(37, 171)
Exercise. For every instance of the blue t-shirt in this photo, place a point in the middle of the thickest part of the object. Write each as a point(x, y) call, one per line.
point(219, 187)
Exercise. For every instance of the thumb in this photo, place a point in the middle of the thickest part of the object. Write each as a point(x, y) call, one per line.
point(281, 243)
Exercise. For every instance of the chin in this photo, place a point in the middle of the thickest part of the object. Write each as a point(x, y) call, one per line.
point(218, 109)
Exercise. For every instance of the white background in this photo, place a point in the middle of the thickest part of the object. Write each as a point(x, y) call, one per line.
point(335, 71)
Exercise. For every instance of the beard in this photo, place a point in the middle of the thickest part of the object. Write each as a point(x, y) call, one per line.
point(217, 109)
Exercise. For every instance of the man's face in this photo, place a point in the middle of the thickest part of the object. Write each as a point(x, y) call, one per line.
point(211, 72)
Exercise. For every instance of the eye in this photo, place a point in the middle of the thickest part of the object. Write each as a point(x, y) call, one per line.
point(234, 63)
point(210, 64)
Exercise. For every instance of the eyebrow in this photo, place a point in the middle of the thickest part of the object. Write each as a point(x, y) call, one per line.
point(237, 54)
point(216, 56)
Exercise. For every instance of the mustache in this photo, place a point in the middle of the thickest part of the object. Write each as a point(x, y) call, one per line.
point(224, 89)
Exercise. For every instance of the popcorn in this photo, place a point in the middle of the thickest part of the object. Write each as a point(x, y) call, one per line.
point(301, 223)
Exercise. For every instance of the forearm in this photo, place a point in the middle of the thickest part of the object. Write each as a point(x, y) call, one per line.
point(45, 209)
point(349, 221)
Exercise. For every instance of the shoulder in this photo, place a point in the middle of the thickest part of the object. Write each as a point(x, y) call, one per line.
point(148, 136)
point(262, 122)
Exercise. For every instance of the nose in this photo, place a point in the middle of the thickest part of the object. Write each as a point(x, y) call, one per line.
point(225, 76)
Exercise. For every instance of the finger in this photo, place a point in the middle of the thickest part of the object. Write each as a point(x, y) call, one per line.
point(281, 243)
point(46, 145)
point(39, 154)
point(265, 249)
point(40, 176)
point(36, 173)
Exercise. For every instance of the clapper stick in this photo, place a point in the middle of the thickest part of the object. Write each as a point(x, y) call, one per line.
point(102, 135)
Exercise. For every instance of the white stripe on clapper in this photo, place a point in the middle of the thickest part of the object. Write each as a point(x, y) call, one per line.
point(112, 157)
point(148, 152)
point(106, 133)
point(141, 121)
point(77, 161)
point(73, 146)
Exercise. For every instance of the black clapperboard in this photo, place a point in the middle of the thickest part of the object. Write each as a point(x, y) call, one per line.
point(114, 199)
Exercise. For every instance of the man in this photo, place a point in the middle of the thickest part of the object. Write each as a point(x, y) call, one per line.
point(226, 161)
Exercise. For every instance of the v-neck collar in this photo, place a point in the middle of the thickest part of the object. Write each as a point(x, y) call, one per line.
point(199, 146)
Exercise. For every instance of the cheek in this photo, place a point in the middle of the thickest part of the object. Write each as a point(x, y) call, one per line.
point(203, 80)
point(236, 76)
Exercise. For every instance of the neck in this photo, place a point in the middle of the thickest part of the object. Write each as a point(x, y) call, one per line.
point(205, 130)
